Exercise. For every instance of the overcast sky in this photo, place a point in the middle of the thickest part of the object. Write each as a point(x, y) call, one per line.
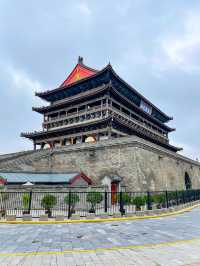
point(154, 45)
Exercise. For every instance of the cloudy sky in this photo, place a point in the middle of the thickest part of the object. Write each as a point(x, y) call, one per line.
point(152, 44)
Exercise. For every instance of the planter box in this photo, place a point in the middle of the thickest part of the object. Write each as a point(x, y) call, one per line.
point(91, 216)
point(165, 210)
point(171, 209)
point(60, 218)
point(129, 214)
point(75, 217)
point(44, 217)
point(27, 217)
point(117, 215)
point(149, 212)
point(11, 218)
point(139, 213)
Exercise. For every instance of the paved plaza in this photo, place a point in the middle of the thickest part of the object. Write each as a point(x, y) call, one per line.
point(166, 241)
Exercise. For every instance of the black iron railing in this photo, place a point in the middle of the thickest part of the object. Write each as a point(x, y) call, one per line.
point(85, 203)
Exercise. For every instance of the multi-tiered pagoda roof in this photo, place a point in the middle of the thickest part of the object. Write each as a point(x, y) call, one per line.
point(91, 105)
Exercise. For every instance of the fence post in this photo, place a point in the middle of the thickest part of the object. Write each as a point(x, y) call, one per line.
point(29, 203)
point(69, 205)
point(105, 201)
point(195, 195)
point(121, 203)
point(177, 201)
point(186, 196)
point(183, 196)
point(149, 207)
point(167, 200)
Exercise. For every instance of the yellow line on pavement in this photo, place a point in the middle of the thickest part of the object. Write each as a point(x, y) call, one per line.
point(162, 244)
point(99, 220)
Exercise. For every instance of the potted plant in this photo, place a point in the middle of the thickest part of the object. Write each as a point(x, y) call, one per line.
point(172, 198)
point(139, 201)
point(126, 198)
point(159, 200)
point(48, 202)
point(94, 198)
point(25, 202)
point(73, 198)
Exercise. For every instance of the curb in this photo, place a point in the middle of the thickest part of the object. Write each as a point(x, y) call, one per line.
point(100, 220)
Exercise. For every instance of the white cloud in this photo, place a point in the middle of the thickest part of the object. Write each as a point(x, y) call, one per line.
point(84, 9)
point(20, 81)
point(181, 49)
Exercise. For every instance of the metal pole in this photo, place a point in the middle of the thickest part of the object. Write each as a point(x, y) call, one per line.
point(149, 201)
point(69, 205)
point(121, 203)
point(167, 200)
point(177, 202)
point(29, 203)
point(105, 201)
point(183, 197)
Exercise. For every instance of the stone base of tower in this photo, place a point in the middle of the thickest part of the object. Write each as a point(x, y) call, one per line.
point(129, 161)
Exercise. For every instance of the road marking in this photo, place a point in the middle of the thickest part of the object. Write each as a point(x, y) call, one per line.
point(116, 248)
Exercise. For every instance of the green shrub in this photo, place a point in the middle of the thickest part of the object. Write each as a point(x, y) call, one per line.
point(4, 196)
point(126, 198)
point(158, 199)
point(25, 201)
point(94, 198)
point(172, 195)
point(139, 201)
point(74, 198)
point(48, 201)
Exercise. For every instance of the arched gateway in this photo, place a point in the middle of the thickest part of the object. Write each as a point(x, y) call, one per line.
point(188, 182)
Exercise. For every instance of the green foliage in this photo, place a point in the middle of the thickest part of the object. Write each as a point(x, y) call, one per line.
point(158, 198)
point(139, 201)
point(74, 198)
point(48, 201)
point(172, 195)
point(4, 196)
point(94, 197)
point(126, 198)
point(25, 201)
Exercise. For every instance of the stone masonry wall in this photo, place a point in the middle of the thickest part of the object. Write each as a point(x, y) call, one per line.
point(141, 164)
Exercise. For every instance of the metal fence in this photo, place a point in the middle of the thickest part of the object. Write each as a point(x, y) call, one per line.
point(85, 203)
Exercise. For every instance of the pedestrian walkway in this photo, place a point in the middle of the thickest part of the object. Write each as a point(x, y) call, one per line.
point(166, 241)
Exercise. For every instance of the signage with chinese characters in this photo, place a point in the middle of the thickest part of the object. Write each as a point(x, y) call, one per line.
point(146, 107)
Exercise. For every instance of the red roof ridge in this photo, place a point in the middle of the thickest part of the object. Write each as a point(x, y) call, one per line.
point(80, 71)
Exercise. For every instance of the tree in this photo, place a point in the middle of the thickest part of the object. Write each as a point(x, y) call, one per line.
point(126, 198)
point(72, 198)
point(159, 200)
point(48, 202)
point(94, 198)
point(26, 202)
point(139, 201)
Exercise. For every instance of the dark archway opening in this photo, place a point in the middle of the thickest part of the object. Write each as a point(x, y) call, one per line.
point(188, 182)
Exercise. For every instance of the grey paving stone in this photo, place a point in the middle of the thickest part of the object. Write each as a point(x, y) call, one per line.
point(16, 238)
